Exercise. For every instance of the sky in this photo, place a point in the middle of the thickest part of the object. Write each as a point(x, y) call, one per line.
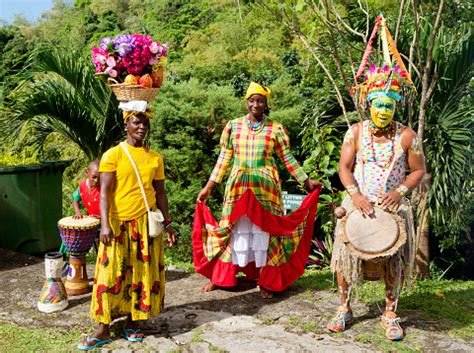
point(30, 9)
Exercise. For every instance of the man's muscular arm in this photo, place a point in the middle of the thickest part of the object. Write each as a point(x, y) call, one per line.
point(346, 163)
point(411, 144)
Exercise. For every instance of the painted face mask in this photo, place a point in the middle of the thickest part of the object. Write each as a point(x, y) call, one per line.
point(382, 110)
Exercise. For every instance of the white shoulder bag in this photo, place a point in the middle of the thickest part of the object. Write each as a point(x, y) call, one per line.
point(155, 218)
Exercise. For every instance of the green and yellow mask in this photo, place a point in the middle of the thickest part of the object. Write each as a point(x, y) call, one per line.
point(382, 110)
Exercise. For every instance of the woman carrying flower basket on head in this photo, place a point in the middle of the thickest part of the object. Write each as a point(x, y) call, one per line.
point(252, 236)
point(129, 274)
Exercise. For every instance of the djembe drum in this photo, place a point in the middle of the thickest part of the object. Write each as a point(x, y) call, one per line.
point(78, 235)
point(373, 239)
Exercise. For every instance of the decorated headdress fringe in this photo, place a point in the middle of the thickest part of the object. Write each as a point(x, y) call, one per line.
point(389, 81)
point(392, 79)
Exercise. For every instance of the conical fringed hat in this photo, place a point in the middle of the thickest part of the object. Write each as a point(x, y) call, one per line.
point(391, 79)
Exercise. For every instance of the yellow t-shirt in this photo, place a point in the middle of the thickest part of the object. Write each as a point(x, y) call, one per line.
point(127, 202)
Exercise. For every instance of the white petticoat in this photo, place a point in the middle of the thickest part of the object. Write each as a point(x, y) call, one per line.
point(249, 243)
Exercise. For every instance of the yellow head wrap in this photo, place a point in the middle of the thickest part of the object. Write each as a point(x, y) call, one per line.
point(255, 88)
point(127, 115)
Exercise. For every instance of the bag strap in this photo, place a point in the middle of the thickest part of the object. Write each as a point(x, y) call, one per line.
point(142, 189)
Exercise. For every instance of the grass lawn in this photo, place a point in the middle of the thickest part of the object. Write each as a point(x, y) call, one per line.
point(442, 305)
point(17, 339)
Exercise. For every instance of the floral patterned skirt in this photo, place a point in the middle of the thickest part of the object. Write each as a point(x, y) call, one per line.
point(129, 274)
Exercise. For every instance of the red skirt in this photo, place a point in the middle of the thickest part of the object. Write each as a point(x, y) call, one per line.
point(274, 278)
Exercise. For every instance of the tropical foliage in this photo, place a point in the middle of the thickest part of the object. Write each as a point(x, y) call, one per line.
point(59, 94)
point(449, 129)
point(52, 103)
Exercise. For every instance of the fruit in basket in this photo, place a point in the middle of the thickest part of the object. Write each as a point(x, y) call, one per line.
point(131, 80)
point(146, 81)
point(157, 77)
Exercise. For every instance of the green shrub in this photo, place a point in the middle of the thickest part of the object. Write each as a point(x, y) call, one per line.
point(189, 118)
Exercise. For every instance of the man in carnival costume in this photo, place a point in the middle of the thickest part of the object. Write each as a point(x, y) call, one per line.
point(372, 168)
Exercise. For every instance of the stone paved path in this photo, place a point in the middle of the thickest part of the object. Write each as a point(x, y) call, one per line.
point(220, 321)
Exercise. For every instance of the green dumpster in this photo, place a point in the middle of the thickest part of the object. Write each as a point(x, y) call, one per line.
point(30, 206)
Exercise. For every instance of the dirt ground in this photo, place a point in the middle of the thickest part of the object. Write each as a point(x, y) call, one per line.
point(236, 320)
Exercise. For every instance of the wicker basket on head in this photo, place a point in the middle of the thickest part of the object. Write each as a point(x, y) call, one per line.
point(125, 92)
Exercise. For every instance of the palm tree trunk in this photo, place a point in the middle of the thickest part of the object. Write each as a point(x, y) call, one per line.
point(423, 251)
point(428, 85)
point(422, 242)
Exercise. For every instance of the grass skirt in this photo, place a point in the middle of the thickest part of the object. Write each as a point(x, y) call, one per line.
point(396, 267)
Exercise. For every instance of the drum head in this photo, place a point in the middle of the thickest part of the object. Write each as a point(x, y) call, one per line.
point(372, 235)
point(82, 223)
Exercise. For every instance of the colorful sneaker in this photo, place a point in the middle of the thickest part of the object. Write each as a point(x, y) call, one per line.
point(339, 322)
point(393, 330)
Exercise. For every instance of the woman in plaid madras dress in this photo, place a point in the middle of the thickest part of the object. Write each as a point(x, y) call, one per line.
point(249, 143)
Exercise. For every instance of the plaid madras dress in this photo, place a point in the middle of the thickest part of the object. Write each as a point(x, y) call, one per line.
point(251, 155)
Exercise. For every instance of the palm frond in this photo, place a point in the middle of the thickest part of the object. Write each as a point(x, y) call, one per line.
point(59, 93)
point(450, 132)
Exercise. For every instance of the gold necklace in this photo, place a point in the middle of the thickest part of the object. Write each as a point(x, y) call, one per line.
point(145, 154)
point(145, 157)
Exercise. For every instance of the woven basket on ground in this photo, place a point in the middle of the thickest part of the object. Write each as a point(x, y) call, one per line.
point(125, 92)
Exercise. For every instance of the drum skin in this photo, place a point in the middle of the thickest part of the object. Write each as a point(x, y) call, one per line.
point(371, 235)
point(81, 223)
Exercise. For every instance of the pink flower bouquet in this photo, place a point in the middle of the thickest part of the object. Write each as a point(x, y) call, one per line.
point(133, 59)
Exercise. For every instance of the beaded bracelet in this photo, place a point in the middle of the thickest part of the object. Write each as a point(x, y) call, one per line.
point(352, 189)
point(402, 190)
point(167, 222)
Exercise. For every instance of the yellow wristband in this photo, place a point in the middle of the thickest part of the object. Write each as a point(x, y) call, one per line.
point(402, 190)
point(352, 189)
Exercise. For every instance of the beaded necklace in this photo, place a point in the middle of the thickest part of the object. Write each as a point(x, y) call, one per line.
point(255, 127)
point(390, 129)
point(386, 129)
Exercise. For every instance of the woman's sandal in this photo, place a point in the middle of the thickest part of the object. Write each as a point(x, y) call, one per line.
point(98, 343)
point(128, 332)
